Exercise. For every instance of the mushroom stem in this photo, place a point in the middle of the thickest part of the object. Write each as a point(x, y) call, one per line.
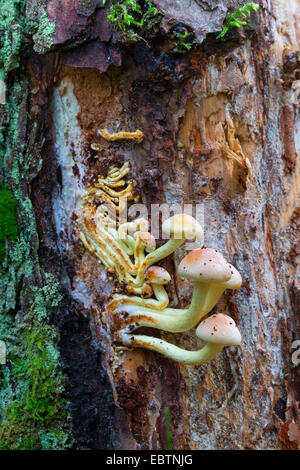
point(124, 245)
point(161, 295)
point(201, 356)
point(212, 297)
point(158, 255)
point(160, 303)
point(169, 319)
point(180, 227)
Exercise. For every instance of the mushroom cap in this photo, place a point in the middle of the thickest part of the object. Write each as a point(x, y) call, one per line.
point(205, 265)
point(236, 279)
point(182, 226)
point(147, 239)
point(219, 329)
point(157, 275)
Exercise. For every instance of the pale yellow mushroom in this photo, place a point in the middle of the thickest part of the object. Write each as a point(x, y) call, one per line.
point(211, 275)
point(179, 227)
point(217, 331)
point(157, 277)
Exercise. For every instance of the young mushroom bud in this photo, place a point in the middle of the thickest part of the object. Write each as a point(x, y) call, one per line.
point(158, 277)
point(217, 331)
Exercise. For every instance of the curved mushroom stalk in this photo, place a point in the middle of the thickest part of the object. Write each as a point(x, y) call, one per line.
point(169, 319)
point(218, 331)
point(98, 241)
point(144, 241)
point(206, 354)
point(111, 249)
point(106, 248)
point(180, 227)
point(157, 277)
point(211, 275)
point(126, 244)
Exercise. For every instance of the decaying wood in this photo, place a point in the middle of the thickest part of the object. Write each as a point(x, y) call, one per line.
point(219, 129)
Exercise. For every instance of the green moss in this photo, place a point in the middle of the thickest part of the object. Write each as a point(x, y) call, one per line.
point(8, 225)
point(28, 419)
point(237, 19)
point(33, 409)
point(131, 16)
point(184, 41)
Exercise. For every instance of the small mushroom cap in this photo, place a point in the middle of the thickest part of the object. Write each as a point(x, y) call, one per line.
point(219, 329)
point(157, 275)
point(205, 265)
point(182, 226)
point(147, 239)
point(236, 279)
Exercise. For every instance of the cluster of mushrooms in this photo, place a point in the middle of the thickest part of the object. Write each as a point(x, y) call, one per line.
point(130, 252)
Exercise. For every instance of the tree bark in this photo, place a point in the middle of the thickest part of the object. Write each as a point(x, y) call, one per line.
point(235, 97)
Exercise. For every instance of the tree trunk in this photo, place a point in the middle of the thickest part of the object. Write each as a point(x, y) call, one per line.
point(220, 130)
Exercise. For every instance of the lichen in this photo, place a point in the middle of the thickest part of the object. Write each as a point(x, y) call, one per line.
point(11, 30)
point(43, 38)
point(34, 413)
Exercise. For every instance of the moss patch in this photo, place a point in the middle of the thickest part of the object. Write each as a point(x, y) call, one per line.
point(30, 416)
point(8, 225)
point(131, 16)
